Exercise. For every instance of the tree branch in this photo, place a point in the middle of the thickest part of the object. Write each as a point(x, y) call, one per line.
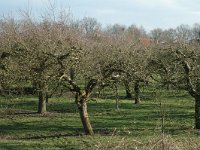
point(187, 70)
point(75, 87)
point(90, 86)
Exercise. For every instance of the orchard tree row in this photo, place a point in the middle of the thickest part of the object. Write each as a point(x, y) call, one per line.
point(81, 55)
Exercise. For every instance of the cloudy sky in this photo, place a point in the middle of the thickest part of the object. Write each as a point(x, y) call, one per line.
point(148, 13)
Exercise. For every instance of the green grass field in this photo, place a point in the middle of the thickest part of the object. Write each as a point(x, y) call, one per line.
point(130, 127)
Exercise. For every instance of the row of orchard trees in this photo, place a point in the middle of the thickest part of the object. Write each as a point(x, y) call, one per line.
point(51, 52)
point(175, 59)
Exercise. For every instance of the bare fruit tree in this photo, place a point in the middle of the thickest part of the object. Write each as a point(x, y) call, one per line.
point(178, 64)
point(34, 48)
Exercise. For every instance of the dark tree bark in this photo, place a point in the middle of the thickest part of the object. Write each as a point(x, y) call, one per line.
point(127, 89)
point(116, 98)
point(197, 112)
point(2, 92)
point(72, 73)
point(137, 92)
point(47, 98)
point(42, 97)
point(47, 94)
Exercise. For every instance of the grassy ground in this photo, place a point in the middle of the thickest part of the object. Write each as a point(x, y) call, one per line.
point(130, 127)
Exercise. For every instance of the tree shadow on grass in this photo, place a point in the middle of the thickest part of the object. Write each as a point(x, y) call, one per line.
point(49, 136)
point(10, 113)
point(25, 113)
point(38, 130)
point(37, 137)
point(55, 104)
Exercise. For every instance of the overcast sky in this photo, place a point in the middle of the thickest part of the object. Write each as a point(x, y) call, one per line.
point(148, 13)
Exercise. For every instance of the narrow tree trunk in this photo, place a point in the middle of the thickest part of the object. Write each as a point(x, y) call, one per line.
point(35, 87)
point(137, 92)
point(82, 107)
point(127, 88)
point(168, 86)
point(2, 92)
point(47, 98)
point(117, 98)
point(47, 94)
point(42, 97)
point(72, 73)
point(197, 112)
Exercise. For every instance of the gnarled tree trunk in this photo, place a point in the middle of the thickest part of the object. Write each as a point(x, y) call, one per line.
point(81, 101)
point(192, 90)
